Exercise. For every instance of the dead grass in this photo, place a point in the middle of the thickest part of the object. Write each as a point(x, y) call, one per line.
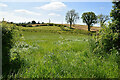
point(84, 27)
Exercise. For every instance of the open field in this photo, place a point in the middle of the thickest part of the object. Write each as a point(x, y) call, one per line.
point(35, 46)
point(54, 55)
point(55, 29)
point(76, 26)
point(84, 27)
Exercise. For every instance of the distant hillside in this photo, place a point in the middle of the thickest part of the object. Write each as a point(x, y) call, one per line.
point(81, 27)
point(84, 27)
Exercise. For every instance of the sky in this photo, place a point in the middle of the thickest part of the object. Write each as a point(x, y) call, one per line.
point(53, 10)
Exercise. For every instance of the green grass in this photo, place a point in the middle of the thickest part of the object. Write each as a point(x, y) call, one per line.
point(54, 29)
point(65, 55)
point(42, 28)
point(51, 41)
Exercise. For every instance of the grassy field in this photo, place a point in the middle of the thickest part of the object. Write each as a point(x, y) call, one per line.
point(52, 53)
point(55, 29)
point(77, 26)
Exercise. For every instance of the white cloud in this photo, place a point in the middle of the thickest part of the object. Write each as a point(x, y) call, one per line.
point(3, 5)
point(27, 12)
point(53, 14)
point(11, 17)
point(53, 6)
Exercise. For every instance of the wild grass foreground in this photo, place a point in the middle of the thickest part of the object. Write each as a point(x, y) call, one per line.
point(50, 52)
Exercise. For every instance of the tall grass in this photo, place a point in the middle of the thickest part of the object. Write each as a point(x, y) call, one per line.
point(64, 56)
point(61, 54)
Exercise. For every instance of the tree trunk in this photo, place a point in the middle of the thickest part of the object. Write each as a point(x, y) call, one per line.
point(88, 27)
point(70, 25)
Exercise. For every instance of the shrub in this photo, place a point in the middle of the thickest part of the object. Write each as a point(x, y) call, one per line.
point(29, 25)
point(50, 24)
point(105, 41)
point(43, 23)
point(109, 37)
point(10, 37)
point(24, 25)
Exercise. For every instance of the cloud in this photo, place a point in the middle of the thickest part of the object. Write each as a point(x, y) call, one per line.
point(27, 12)
point(3, 5)
point(58, 6)
point(53, 14)
point(9, 16)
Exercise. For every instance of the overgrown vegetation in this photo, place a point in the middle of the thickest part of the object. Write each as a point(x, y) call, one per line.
point(56, 51)
point(108, 41)
point(52, 55)
point(11, 39)
point(109, 36)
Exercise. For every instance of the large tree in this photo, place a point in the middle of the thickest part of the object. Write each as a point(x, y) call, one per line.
point(71, 17)
point(115, 14)
point(102, 19)
point(89, 18)
point(115, 25)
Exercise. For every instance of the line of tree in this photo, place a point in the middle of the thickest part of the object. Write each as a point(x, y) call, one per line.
point(88, 17)
point(33, 22)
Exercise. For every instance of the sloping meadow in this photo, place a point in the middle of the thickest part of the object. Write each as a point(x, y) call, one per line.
point(47, 54)
point(64, 56)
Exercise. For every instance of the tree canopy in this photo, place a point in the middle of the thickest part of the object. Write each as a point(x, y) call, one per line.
point(115, 14)
point(71, 17)
point(89, 18)
point(33, 22)
point(102, 19)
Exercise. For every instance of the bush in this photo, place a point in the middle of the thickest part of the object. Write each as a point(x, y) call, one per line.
point(24, 25)
point(59, 25)
point(106, 45)
point(43, 23)
point(29, 25)
point(10, 37)
point(105, 41)
point(50, 24)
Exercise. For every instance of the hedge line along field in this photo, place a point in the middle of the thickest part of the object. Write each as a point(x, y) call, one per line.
point(61, 54)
